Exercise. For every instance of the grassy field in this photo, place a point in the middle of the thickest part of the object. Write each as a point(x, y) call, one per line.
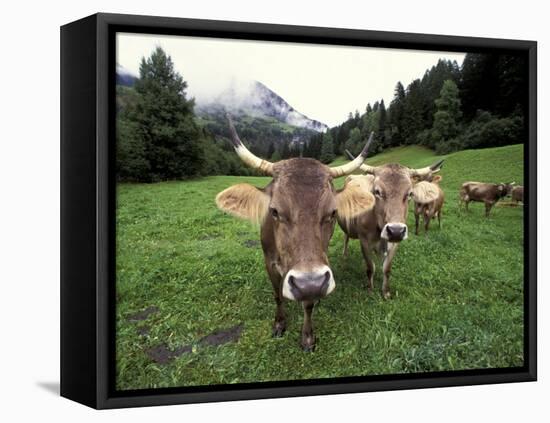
point(195, 307)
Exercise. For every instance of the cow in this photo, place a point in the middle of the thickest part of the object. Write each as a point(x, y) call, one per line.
point(383, 227)
point(428, 201)
point(484, 193)
point(297, 213)
point(517, 194)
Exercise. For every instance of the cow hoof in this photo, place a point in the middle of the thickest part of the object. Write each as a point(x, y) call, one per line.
point(278, 330)
point(308, 348)
point(308, 344)
point(387, 295)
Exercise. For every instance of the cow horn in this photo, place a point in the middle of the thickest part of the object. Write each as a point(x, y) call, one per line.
point(244, 153)
point(364, 167)
point(436, 167)
point(355, 163)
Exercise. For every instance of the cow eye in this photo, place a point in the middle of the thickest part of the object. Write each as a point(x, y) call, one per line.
point(378, 193)
point(274, 213)
point(330, 218)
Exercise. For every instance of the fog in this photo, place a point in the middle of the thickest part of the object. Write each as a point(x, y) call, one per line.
point(323, 82)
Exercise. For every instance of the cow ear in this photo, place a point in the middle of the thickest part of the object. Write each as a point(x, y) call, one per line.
point(244, 201)
point(436, 179)
point(425, 192)
point(353, 200)
point(415, 179)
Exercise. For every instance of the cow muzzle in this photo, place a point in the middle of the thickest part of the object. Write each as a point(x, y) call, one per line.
point(308, 286)
point(395, 232)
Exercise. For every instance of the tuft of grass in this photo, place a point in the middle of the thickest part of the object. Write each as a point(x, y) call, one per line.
point(457, 292)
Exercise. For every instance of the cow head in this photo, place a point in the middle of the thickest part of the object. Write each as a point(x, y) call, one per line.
point(392, 187)
point(505, 189)
point(297, 210)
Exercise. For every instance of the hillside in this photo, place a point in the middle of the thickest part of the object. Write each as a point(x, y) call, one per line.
point(499, 164)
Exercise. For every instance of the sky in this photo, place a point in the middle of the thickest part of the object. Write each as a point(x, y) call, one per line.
point(323, 82)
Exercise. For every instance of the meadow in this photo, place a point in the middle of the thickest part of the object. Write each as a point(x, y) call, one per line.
point(194, 304)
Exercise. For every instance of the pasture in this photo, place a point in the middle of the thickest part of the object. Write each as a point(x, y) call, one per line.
point(195, 307)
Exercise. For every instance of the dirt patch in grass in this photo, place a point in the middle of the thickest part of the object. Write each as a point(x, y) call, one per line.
point(143, 314)
point(222, 336)
point(163, 355)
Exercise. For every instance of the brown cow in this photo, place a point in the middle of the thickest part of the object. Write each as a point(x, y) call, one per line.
point(297, 212)
point(517, 194)
point(383, 226)
point(428, 202)
point(484, 193)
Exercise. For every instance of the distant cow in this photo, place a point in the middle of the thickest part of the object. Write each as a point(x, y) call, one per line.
point(484, 193)
point(517, 194)
point(428, 201)
point(383, 227)
point(297, 212)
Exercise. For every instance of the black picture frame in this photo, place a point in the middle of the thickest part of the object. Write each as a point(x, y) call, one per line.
point(88, 204)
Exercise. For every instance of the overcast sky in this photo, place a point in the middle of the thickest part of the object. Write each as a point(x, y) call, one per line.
point(322, 82)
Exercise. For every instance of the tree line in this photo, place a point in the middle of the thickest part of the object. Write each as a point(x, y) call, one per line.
point(482, 103)
point(157, 134)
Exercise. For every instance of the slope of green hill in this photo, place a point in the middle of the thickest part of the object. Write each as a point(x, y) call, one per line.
point(500, 164)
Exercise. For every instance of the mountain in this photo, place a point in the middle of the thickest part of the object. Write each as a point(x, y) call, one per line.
point(264, 120)
point(124, 77)
point(256, 100)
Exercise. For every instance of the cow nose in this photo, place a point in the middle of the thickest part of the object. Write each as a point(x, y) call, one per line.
point(307, 286)
point(396, 232)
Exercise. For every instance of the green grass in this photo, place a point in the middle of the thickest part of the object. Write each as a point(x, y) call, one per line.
point(457, 292)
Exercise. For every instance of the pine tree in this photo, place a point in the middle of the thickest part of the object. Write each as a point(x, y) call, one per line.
point(396, 115)
point(448, 112)
point(165, 119)
point(353, 144)
point(382, 118)
point(412, 122)
point(327, 149)
point(270, 150)
point(285, 151)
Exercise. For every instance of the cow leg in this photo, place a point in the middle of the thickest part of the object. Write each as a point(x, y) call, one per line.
point(488, 207)
point(279, 325)
point(370, 266)
point(346, 240)
point(426, 221)
point(386, 267)
point(416, 218)
point(439, 218)
point(308, 337)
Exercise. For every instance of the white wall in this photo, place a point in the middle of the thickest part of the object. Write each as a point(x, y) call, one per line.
point(29, 239)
